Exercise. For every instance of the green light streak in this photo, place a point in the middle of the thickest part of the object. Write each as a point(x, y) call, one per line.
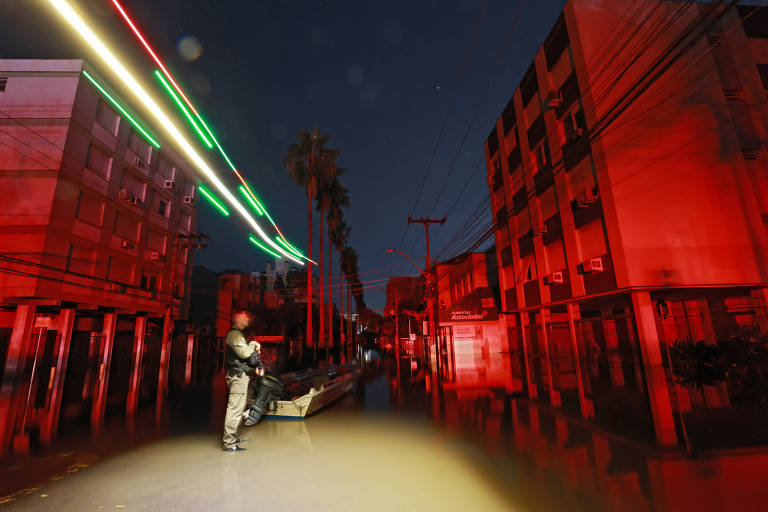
point(250, 200)
point(213, 200)
point(122, 110)
point(263, 248)
point(288, 247)
point(213, 138)
point(182, 108)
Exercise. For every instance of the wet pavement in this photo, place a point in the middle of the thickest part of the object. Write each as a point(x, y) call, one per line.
point(385, 447)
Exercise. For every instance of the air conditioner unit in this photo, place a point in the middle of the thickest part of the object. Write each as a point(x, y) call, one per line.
point(140, 163)
point(189, 199)
point(170, 185)
point(155, 256)
point(555, 278)
point(135, 201)
point(124, 195)
point(539, 229)
point(592, 266)
point(126, 244)
point(587, 197)
point(554, 99)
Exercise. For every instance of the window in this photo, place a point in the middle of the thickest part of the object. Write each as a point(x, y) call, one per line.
point(127, 227)
point(107, 117)
point(149, 283)
point(80, 260)
point(569, 93)
point(762, 70)
point(754, 20)
point(514, 160)
point(537, 131)
point(140, 147)
point(574, 125)
point(99, 162)
point(166, 169)
point(508, 117)
point(556, 43)
point(520, 200)
point(541, 153)
point(162, 207)
point(493, 142)
point(530, 85)
point(136, 187)
point(90, 210)
point(3, 83)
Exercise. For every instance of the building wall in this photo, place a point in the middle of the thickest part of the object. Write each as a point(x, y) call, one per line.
point(64, 214)
point(661, 183)
point(678, 202)
point(93, 229)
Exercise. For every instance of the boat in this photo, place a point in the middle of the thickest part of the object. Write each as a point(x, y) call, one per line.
point(308, 391)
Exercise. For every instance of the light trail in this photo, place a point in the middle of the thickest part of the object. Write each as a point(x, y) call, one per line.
point(250, 200)
point(73, 18)
point(176, 86)
point(256, 242)
point(122, 110)
point(213, 200)
point(182, 108)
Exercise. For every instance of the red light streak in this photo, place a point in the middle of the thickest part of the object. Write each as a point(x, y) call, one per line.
point(153, 55)
point(168, 75)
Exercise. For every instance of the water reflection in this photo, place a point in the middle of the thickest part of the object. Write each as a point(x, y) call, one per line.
point(542, 457)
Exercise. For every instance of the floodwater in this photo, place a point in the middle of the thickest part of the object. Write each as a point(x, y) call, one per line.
point(390, 447)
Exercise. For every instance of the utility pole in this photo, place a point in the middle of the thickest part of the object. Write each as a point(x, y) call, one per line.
point(397, 341)
point(425, 221)
point(189, 242)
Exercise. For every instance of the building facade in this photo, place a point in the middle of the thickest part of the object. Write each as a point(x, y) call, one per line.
point(95, 224)
point(472, 345)
point(629, 186)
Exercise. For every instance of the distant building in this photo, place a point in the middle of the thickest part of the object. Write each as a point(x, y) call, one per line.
point(471, 341)
point(623, 223)
point(93, 228)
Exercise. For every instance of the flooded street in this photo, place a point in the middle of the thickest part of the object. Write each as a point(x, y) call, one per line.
point(382, 448)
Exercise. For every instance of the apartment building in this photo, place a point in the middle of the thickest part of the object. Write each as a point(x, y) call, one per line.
point(629, 185)
point(94, 264)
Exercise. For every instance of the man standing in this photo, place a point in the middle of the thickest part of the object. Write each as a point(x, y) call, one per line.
point(241, 358)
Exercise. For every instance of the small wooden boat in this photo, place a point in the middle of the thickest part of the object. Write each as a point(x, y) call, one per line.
point(309, 391)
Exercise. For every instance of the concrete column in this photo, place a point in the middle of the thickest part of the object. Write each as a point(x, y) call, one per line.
point(546, 338)
point(586, 405)
point(655, 377)
point(137, 350)
point(533, 391)
point(102, 372)
point(49, 426)
point(162, 378)
point(11, 398)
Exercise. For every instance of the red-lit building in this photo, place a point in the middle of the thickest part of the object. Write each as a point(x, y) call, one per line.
point(95, 224)
point(629, 186)
point(471, 342)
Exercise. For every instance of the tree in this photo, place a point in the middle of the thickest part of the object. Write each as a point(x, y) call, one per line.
point(327, 176)
point(306, 162)
point(336, 197)
point(339, 239)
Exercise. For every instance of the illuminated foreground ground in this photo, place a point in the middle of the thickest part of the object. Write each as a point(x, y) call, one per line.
point(341, 459)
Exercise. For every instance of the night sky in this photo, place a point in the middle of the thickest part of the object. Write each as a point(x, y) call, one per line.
point(377, 76)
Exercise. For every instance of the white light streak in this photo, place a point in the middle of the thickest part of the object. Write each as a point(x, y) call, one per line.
point(74, 19)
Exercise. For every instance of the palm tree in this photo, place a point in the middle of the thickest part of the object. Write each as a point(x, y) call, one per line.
point(354, 287)
point(337, 198)
point(305, 163)
point(326, 194)
point(339, 239)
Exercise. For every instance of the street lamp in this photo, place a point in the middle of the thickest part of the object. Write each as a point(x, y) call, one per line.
point(430, 305)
